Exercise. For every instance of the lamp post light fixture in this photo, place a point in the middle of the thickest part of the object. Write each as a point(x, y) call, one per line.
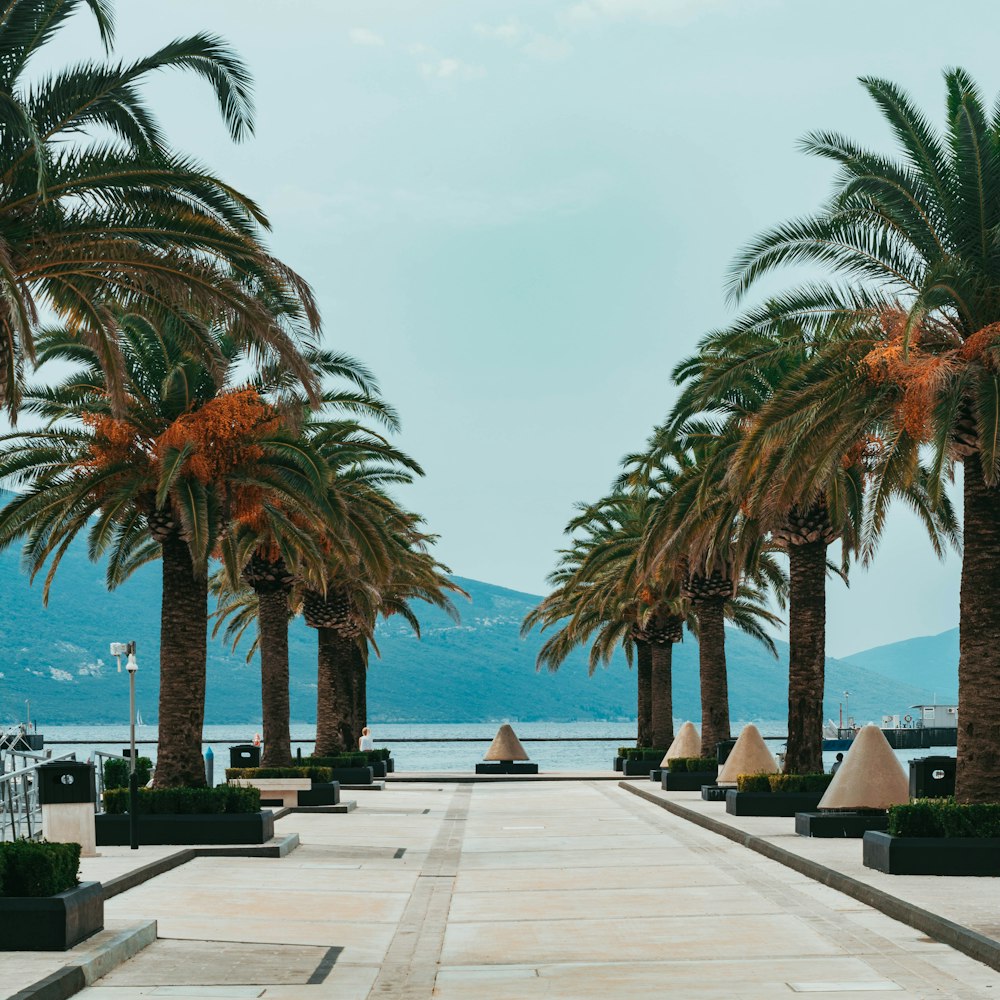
point(847, 704)
point(118, 650)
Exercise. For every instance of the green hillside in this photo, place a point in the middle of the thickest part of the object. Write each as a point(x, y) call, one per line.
point(928, 661)
point(478, 670)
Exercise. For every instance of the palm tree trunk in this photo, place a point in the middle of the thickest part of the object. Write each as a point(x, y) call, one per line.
point(334, 694)
point(661, 695)
point(644, 674)
point(272, 626)
point(183, 648)
point(806, 657)
point(359, 692)
point(978, 777)
point(714, 678)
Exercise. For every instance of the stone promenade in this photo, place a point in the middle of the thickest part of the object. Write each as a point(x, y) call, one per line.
point(508, 891)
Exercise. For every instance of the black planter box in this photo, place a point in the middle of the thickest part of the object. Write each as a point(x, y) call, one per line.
point(714, 793)
point(931, 855)
point(507, 767)
point(686, 781)
point(771, 803)
point(390, 765)
point(353, 775)
point(51, 923)
point(202, 828)
point(635, 768)
point(378, 767)
point(657, 774)
point(322, 793)
point(839, 824)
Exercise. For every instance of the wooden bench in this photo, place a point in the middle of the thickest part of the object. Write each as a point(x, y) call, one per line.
point(274, 789)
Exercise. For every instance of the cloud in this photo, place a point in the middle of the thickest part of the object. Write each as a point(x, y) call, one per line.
point(532, 43)
point(60, 675)
point(662, 11)
point(510, 31)
point(363, 36)
point(451, 69)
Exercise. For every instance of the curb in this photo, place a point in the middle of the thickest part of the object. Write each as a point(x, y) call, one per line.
point(70, 979)
point(964, 939)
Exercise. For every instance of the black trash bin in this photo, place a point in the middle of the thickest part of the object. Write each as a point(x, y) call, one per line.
point(723, 749)
point(932, 777)
point(62, 781)
point(244, 755)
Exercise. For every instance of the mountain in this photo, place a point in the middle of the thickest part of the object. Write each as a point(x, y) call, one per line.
point(478, 670)
point(928, 661)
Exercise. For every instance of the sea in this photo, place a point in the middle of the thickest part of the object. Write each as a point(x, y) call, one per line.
point(554, 746)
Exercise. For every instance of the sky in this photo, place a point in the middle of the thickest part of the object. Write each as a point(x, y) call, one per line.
point(521, 216)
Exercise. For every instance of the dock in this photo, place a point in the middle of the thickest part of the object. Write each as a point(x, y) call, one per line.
point(495, 890)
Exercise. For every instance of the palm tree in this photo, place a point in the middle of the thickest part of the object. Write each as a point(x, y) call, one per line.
point(911, 242)
point(699, 533)
point(192, 450)
point(100, 217)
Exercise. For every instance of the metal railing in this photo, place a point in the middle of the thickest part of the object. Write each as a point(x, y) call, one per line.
point(20, 810)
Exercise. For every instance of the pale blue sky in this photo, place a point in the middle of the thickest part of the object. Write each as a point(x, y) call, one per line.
point(520, 214)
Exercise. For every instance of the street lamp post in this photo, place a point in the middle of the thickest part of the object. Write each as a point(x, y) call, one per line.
point(847, 704)
point(119, 649)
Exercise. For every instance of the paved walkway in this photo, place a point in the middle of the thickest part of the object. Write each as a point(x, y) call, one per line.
point(515, 892)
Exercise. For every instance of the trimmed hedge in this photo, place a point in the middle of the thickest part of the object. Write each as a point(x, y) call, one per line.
point(344, 760)
point(185, 801)
point(116, 771)
point(683, 764)
point(753, 783)
point(382, 753)
point(944, 818)
point(808, 783)
point(321, 774)
point(643, 753)
point(37, 868)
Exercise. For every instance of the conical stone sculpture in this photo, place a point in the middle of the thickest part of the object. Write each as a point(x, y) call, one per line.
point(687, 743)
point(505, 746)
point(871, 777)
point(749, 756)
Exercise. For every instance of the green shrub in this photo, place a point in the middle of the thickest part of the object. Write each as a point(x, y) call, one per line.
point(116, 770)
point(753, 783)
point(185, 801)
point(343, 760)
point(807, 783)
point(36, 868)
point(944, 818)
point(682, 764)
point(315, 773)
point(644, 753)
point(382, 753)
point(702, 764)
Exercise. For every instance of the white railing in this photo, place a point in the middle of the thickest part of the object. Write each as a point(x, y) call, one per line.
point(20, 810)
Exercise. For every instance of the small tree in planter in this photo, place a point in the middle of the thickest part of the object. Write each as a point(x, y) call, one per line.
point(43, 905)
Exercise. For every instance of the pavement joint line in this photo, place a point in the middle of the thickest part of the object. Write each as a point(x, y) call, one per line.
point(964, 939)
point(883, 956)
point(409, 969)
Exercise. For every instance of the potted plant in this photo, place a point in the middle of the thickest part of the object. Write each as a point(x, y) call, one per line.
point(222, 815)
point(688, 774)
point(639, 761)
point(348, 769)
point(315, 787)
point(776, 794)
point(937, 837)
point(43, 905)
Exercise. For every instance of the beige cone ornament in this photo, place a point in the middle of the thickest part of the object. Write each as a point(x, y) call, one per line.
point(749, 756)
point(870, 777)
point(505, 746)
point(687, 743)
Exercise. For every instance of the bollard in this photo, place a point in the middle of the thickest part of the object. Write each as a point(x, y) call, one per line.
point(210, 767)
point(67, 791)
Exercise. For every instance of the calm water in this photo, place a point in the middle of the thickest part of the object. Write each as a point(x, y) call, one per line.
point(599, 741)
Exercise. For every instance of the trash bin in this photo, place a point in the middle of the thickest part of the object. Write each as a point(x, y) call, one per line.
point(723, 749)
point(932, 777)
point(244, 755)
point(63, 781)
